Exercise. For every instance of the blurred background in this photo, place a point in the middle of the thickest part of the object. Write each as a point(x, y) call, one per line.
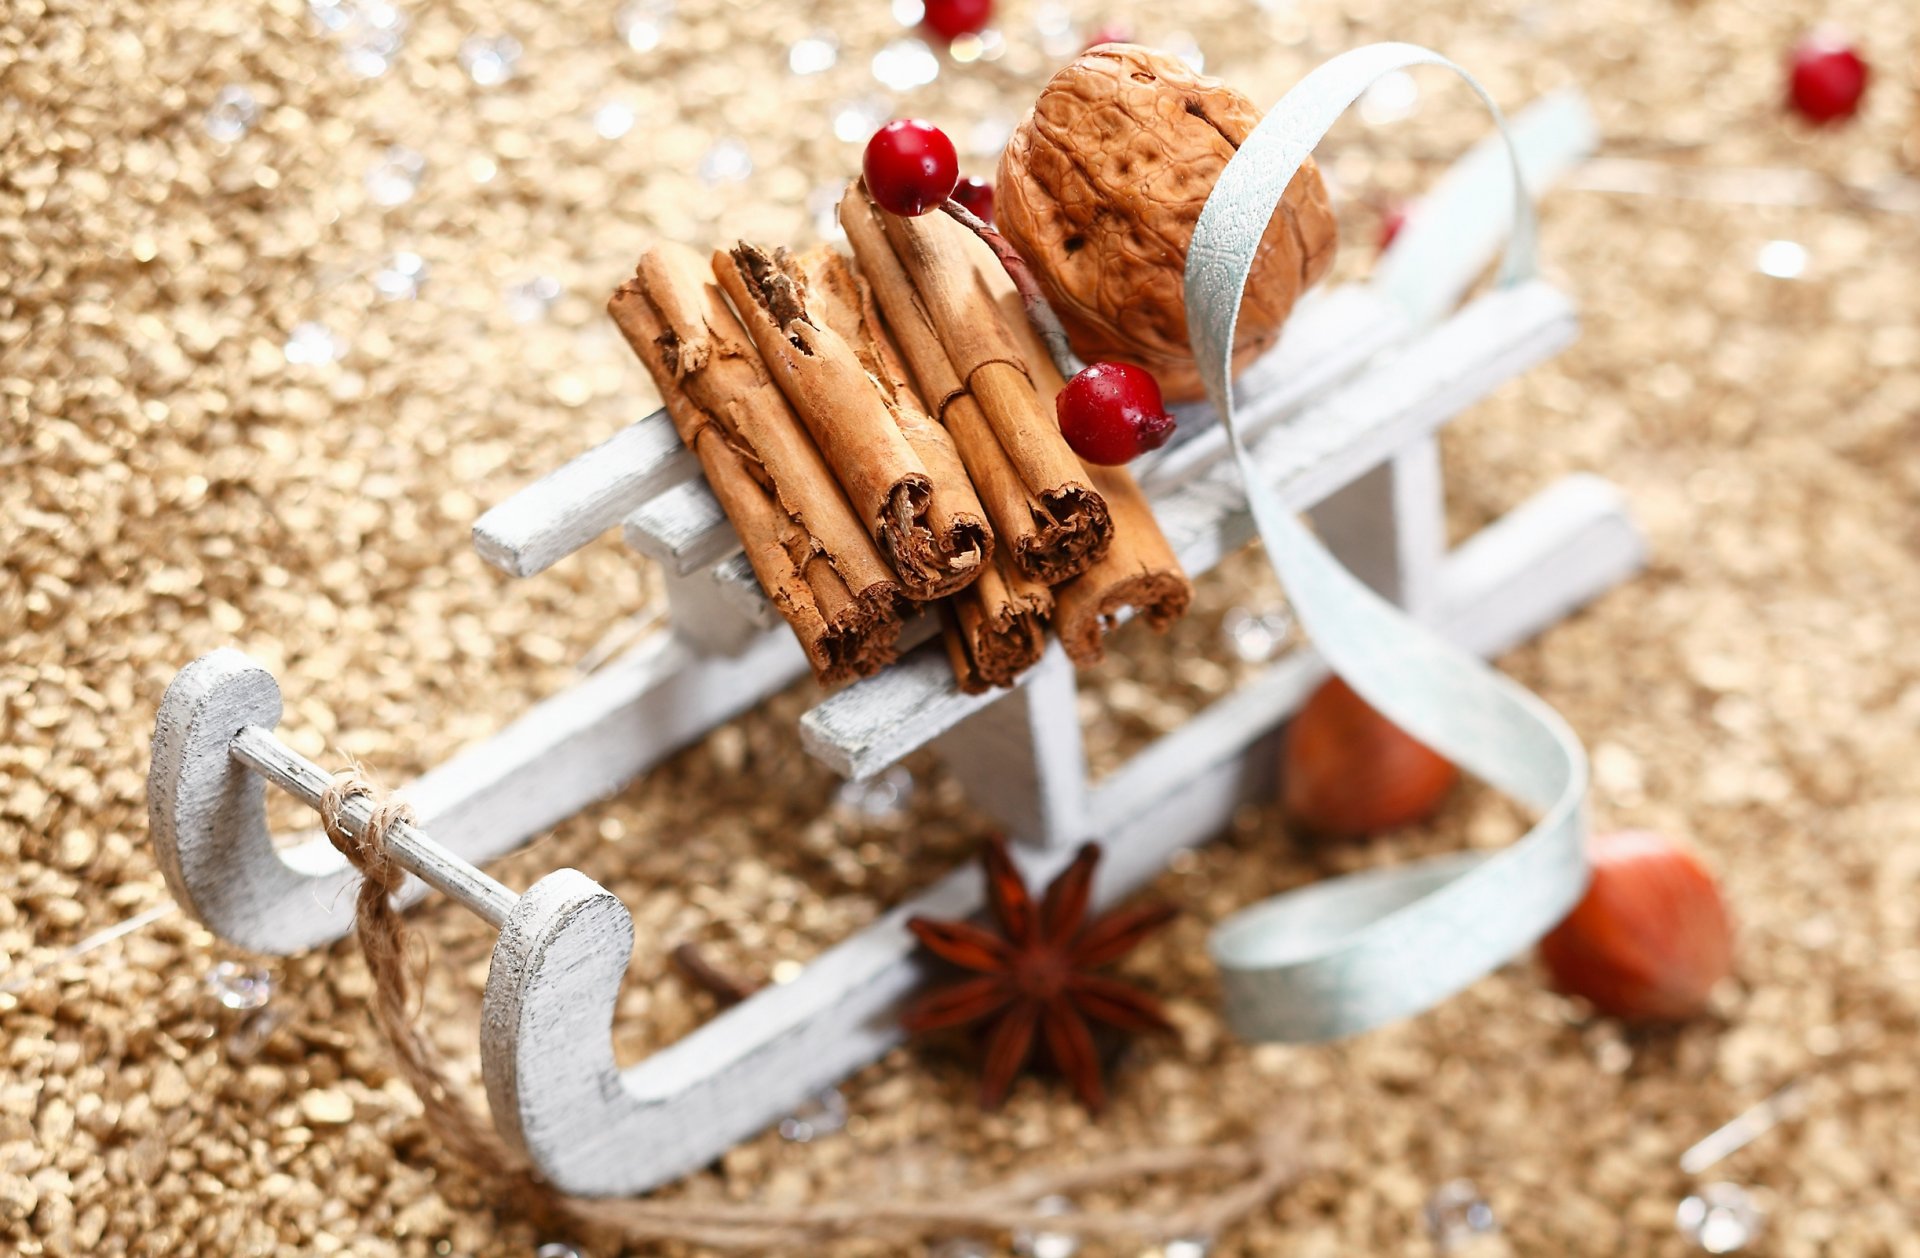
point(293, 291)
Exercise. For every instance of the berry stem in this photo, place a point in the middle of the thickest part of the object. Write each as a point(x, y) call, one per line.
point(1039, 313)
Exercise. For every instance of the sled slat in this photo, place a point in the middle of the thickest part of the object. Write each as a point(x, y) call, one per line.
point(583, 498)
point(684, 529)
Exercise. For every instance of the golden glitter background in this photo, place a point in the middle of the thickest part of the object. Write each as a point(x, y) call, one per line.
point(170, 482)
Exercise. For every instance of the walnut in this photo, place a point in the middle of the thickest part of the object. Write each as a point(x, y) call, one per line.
point(1100, 188)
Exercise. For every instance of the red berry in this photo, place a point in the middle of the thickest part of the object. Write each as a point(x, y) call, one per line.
point(950, 19)
point(1826, 77)
point(1110, 33)
point(1112, 412)
point(976, 195)
point(1390, 226)
point(910, 167)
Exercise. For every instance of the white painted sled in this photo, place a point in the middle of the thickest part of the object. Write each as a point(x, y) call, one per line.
point(1343, 413)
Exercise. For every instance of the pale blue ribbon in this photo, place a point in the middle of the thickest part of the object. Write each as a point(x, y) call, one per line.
point(1350, 953)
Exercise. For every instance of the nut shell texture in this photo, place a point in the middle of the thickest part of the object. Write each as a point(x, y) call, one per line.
point(1100, 188)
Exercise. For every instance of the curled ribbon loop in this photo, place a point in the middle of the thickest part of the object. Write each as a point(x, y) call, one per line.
point(1351, 953)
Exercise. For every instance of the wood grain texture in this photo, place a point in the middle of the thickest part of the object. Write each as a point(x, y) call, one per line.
point(583, 497)
point(707, 620)
point(733, 578)
point(207, 813)
point(1021, 759)
point(683, 529)
point(1331, 336)
point(547, 1027)
point(1375, 416)
point(1389, 527)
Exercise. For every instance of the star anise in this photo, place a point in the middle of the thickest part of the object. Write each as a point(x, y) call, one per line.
point(1039, 974)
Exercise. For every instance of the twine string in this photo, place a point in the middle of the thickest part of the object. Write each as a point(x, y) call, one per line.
point(1264, 1165)
point(385, 942)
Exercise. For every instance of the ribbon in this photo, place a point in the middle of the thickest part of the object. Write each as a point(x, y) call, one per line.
point(1351, 953)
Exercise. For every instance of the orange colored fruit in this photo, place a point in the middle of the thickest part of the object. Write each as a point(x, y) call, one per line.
point(1346, 771)
point(1652, 936)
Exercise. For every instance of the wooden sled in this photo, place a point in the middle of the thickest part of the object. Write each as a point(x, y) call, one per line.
point(1343, 414)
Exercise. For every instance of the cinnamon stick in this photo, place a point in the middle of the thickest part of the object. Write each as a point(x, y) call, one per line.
point(817, 564)
point(1050, 520)
point(1140, 569)
point(858, 427)
point(995, 629)
point(844, 300)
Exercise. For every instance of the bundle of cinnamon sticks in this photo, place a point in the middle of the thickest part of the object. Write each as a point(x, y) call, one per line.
point(880, 430)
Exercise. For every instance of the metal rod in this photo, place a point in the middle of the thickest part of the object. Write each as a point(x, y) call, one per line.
point(1752, 1123)
point(260, 750)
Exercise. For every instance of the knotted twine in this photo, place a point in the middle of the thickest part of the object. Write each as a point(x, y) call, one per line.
point(1265, 1164)
point(385, 942)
